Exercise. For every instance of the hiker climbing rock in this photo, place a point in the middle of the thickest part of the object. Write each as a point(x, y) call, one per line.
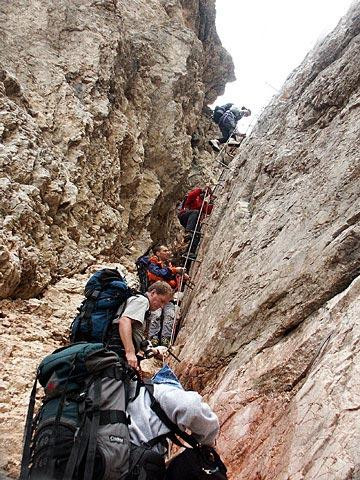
point(161, 409)
point(97, 420)
point(227, 123)
point(189, 211)
point(160, 268)
point(114, 314)
point(127, 330)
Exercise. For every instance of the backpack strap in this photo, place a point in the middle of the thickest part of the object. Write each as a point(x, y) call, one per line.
point(159, 439)
point(174, 429)
point(113, 416)
point(79, 447)
point(90, 457)
point(28, 433)
point(82, 438)
point(50, 469)
point(85, 312)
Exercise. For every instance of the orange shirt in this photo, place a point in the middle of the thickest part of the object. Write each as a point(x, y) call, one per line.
point(158, 270)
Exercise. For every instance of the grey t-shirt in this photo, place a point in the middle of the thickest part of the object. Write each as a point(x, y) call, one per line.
point(134, 308)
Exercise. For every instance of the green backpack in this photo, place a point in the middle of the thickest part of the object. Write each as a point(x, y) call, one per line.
point(81, 428)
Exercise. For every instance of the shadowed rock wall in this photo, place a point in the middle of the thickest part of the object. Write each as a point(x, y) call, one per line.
point(272, 333)
point(99, 102)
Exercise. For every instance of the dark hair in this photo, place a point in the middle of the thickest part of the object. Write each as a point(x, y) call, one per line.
point(158, 247)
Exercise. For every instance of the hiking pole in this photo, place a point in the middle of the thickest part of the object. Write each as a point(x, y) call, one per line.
point(173, 355)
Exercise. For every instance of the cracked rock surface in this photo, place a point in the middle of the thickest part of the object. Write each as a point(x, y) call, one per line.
point(272, 332)
point(99, 103)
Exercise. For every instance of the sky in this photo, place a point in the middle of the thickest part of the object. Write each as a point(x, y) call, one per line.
point(267, 39)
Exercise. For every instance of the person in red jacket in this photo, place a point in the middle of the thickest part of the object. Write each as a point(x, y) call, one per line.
point(189, 212)
point(159, 267)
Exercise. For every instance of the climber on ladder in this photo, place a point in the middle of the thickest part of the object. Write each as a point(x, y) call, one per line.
point(159, 267)
point(227, 117)
point(189, 212)
point(199, 202)
point(196, 205)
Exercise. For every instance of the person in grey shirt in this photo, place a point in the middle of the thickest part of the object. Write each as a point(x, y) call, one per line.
point(128, 326)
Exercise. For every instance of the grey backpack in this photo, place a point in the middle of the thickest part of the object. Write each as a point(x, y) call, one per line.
point(81, 428)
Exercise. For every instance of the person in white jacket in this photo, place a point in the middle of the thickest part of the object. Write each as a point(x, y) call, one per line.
point(186, 409)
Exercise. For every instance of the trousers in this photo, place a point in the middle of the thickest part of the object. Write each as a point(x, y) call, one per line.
point(188, 219)
point(162, 321)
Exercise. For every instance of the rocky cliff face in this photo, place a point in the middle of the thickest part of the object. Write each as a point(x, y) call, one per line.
point(100, 129)
point(99, 104)
point(272, 329)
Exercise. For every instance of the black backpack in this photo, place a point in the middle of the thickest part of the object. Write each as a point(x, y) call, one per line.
point(81, 428)
point(219, 112)
point(199, 463)
point(142, 264)
point(105, 291)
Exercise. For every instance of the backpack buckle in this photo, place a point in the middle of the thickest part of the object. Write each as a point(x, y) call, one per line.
point(209, 471)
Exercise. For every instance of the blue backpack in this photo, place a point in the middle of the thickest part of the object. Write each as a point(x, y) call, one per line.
point(105, 291)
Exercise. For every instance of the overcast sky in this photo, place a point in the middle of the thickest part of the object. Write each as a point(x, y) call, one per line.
point(267, 39)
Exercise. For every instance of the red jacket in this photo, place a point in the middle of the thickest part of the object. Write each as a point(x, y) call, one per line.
point(194, 201)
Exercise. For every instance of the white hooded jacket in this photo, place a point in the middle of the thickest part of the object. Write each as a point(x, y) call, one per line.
point(184, 408)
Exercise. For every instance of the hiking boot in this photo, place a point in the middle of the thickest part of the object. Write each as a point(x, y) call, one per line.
point(233, 143)
point(154, 341)
point(187, 238)
point(215, 145)
point(165, 342)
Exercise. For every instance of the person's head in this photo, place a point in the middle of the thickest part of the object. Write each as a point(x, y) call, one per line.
point(159, 294)
point(239, 113)
point(246, 111)
point(162, 252)
point(205, 191)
